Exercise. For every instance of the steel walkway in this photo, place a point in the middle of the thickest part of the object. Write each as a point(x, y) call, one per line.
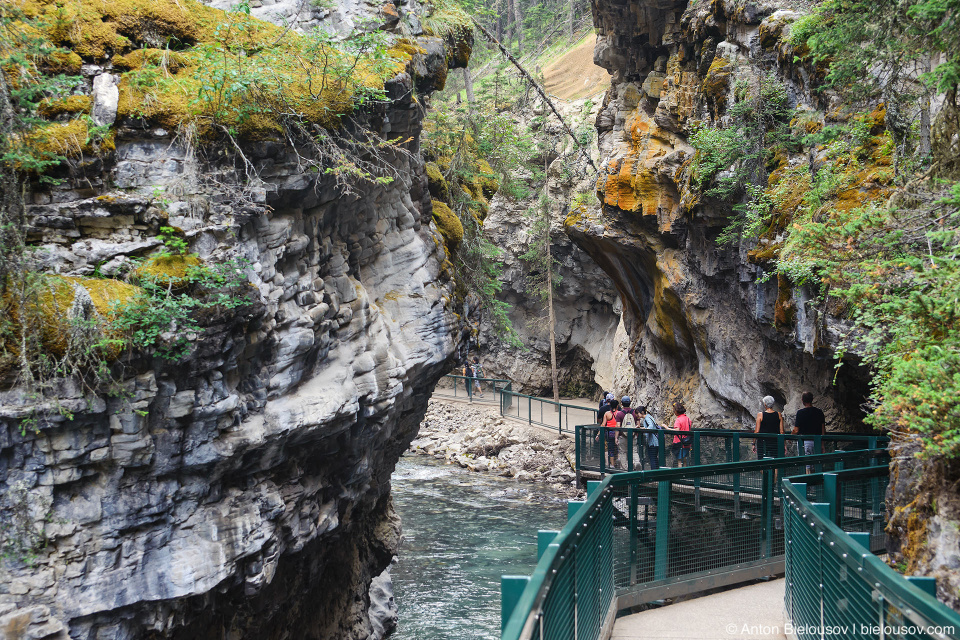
point(754, 612)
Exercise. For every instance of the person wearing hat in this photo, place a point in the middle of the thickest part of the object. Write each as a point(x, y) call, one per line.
point(604, 406)
point(626, 417)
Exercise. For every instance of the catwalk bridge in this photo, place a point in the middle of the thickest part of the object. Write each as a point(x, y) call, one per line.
point(645, 535)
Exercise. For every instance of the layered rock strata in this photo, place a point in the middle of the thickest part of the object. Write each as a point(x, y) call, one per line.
point(243, 491)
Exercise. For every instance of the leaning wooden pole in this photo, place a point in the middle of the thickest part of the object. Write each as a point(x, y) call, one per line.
point(536, 85)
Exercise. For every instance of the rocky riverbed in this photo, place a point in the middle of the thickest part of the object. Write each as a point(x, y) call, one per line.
point(479, 439)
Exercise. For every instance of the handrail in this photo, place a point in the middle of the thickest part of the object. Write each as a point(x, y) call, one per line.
point(530, 608)
point(498, 385)
point(834, 581)
point(563, 423)
point(590, 440)
point(459, 377)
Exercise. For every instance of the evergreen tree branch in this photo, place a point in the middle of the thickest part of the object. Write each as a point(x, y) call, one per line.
point(539, 89)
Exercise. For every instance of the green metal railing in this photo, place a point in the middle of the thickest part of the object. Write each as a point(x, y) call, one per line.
point(646, 535)
point(834, 582)
point(707, 446)
point(464, 388)
point(561, 416)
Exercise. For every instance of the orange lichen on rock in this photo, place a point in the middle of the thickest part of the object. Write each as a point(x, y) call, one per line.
point(635, 183)
point(785, 311)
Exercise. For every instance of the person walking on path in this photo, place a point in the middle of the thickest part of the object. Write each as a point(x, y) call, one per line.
point(652, 441)
point(810, 422)
point(468, 377)
point(601, 412)
point(681, 442)
point(768, 421)
point(612, 434)
point(604, 407)
point(477, 374)
point(626, 417)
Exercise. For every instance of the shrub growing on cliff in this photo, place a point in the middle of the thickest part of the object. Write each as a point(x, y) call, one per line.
point(898, 269)
point(178, 294)
point(731, 162)
point(478, 153)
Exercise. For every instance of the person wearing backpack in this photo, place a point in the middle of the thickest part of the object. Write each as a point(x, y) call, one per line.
point(682, 442)
point(626, 417)
point(652, 441)
point(477, 375)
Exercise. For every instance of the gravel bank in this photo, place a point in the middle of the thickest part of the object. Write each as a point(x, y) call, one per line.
point(477, 438)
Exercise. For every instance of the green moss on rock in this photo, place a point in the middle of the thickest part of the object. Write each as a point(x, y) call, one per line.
point(448, 224)
point(168, 270)
point(439, 189)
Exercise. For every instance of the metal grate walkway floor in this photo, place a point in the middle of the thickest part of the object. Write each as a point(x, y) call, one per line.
point(754, 612)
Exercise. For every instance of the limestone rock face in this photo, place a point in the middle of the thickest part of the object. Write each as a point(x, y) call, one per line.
point(586, 303)
point(705, 326)
point(242, 491)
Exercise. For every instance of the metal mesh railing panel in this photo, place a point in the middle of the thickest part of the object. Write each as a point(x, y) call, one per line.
point(482, 390)
point(836, 585)
point(706, 446)
point(581, 588)
point(655, 534)
point(861, 507)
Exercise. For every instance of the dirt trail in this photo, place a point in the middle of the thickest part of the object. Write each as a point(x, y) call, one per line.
point(574, 75)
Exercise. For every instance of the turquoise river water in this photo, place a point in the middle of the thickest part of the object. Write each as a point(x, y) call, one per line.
point(462, 531)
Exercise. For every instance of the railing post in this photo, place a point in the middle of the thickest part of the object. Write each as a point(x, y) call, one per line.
point(662, 544)
point(925, 583)
point(860, 537)
point(736, 448)
point(662, 453)
point(544, 538)
point(630, 450)
point(696, 449)
point(831, 495)
point(529, 410)
point(766, 509)
point(578, 434)
point(573, 506)
point(511, 587)
point(634, 538)
point(822, 508)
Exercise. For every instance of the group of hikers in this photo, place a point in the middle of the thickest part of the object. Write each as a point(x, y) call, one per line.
point(617, 415)
point(472, 373)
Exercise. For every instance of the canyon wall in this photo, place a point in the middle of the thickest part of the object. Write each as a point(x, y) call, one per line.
point(244, 489)
point(705, 325)
point(591, 341)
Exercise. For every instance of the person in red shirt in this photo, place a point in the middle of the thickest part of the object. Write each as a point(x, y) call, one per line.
point(681, 442)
